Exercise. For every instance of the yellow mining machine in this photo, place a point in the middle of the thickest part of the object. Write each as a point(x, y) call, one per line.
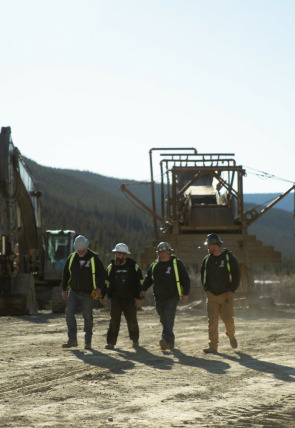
point(203, 193)
point(31, 258)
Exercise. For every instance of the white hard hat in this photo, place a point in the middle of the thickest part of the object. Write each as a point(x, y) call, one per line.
point(121, 248)
point(81, 242)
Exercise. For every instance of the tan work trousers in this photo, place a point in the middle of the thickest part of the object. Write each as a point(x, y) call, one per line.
point(222, 305)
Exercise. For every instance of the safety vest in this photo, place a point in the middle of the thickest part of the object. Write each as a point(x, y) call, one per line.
point(92, 261)
point(175, 267)
point(227, 265)
point(109, 268)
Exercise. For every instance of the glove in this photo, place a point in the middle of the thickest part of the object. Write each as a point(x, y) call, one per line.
point(94, 295)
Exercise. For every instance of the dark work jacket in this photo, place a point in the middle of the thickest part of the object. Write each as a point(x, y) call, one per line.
point(123, 281)
point(80, 277)
point(217, 273)
point(163, 278)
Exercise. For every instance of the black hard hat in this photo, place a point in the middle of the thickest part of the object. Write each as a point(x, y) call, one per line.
point(213, 239)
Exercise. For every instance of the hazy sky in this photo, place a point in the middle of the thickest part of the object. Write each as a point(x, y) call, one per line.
point(95, 84)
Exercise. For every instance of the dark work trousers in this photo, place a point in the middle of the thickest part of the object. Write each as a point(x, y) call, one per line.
point(84, 300)
point(166, 309)
point(130, 312)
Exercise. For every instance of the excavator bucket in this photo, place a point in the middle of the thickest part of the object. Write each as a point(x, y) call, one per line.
point(21, 300)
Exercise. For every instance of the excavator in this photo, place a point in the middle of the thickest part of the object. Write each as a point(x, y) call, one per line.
point(31, 257)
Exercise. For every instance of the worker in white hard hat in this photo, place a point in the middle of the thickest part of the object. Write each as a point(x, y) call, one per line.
point(83, 281)
point(123, 285)
point(171, 284)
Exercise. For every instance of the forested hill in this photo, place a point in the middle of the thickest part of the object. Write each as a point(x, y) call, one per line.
point(93, 205)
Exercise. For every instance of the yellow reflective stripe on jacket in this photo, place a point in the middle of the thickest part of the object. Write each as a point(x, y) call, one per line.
point(153, 267)
point(92, 261)
point(205, 270)
point(136, 269)
point(227, 265)
point(70, 265)
point(179, 287)
point(71, 261)
point(175, 267)
point(93, 272)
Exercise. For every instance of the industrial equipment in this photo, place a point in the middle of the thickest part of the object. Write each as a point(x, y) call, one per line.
point(31, 258)
point(202, 193)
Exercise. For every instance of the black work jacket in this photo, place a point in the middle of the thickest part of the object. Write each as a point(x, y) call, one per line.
point(163, 278)
point(79, 277)
point(217, 277)
point(123, 281)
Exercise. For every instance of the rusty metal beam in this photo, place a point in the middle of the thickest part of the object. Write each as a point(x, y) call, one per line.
point(123, 188)
point(210, 168)
point(254, 215)
point(152, 179)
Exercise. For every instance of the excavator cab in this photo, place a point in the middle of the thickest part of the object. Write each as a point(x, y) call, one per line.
point(58, 245)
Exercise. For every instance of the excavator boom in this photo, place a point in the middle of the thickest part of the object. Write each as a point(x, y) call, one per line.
point(31, 259)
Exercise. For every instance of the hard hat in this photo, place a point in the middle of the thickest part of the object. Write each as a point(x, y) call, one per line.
point(81, 242)
point(121, 248)
point(213, 239)
point(164, 246)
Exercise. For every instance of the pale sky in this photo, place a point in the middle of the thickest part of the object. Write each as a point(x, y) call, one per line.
point(95, 84)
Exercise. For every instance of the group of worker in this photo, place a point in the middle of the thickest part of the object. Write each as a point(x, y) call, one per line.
point(85, 279)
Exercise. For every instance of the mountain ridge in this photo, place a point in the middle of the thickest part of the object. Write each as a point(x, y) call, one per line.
point(94, 205)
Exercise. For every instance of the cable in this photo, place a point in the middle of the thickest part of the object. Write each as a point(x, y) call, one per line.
point(264, 174)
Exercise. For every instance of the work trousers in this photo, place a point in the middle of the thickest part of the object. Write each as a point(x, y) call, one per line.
point(166, 309)
point(130, 312)
point(85, 301)
point(223, 306)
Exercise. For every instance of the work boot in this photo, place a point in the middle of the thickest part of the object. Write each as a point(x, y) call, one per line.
point(163, 344)
point(233, 342)
point(87, 345)
point(135, 344)
point(210, 350)
point(170, 345)
point(109, 346)
point(70, 344)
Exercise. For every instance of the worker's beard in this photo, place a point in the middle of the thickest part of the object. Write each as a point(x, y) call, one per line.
point(118, 261)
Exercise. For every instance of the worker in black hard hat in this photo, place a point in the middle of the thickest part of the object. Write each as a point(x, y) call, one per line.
point(220, 275)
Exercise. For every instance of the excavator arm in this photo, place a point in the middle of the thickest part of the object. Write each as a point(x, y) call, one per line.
point(20, 206)
point(21, 248)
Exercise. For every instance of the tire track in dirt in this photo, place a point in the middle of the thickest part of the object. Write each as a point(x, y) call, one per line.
point(41, 383)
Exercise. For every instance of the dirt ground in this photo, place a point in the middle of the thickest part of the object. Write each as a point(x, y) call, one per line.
point(43, 385)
